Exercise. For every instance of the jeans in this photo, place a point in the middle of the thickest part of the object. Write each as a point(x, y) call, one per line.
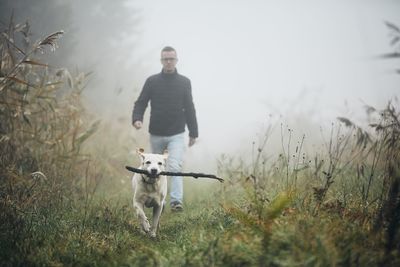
point(175, 145)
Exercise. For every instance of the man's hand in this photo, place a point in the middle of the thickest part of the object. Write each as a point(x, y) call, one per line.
point(192, 140)
point(137, 125)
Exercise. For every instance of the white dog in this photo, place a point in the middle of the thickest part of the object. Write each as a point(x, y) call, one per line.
point(150, 190)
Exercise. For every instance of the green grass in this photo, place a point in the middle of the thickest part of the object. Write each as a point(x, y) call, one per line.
point(336, 206)
point(205, 234)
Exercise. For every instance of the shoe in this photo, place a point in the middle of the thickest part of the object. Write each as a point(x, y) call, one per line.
point(176, 207)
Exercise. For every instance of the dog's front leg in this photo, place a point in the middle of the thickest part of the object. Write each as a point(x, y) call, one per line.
point(157, 209)
point(144, 222)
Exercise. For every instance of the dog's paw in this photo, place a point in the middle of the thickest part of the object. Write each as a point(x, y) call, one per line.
point(146, 226)
point(152, 234)
point(142, 232)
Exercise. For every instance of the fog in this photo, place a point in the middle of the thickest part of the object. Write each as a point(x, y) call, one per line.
point(255, 63)
point(251, 63)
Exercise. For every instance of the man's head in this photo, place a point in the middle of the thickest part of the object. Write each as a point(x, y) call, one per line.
point(168, 59)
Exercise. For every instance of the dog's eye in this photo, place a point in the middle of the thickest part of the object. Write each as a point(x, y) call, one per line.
point(148, 162)
point(160, 163)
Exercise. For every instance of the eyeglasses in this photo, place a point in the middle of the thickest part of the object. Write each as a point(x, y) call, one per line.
point(168, 59)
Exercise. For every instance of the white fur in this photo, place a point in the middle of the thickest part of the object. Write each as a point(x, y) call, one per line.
point(150, 191)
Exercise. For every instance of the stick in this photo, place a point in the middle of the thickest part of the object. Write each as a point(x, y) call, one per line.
point(195, 175)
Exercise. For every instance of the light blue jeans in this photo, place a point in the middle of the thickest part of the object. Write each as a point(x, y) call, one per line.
point(175, 145)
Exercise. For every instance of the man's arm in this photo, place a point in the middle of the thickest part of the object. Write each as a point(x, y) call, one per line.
point(192, 141)
point(140, 106)
point(190, 114)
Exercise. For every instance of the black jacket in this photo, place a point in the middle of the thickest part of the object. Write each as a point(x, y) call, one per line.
point(171, 103)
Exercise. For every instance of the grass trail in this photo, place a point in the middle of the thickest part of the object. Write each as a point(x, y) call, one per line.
point(205, 234)
point(65, 198)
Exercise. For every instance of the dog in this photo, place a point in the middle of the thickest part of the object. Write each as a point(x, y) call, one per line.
point(150, 190)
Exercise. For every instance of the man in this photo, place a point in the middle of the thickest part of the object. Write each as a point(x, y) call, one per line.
point(172, 108)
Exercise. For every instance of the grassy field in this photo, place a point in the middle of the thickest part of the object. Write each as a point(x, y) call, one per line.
point(66, 201)
point(213, 231)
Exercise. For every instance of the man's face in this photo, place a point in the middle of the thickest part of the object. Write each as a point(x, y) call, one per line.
point(169, 60)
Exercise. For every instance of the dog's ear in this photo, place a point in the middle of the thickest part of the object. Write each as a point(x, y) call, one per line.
point(165, 154)
point(140, 152)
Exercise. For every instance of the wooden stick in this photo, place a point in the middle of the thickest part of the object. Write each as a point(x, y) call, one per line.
point(192, 174)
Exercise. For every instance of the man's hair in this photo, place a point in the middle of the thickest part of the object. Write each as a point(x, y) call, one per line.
point(168, 49)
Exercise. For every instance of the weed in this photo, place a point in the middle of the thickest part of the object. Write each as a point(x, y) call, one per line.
point(65, 200)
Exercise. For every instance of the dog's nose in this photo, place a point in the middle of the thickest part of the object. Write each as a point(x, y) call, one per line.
point(153, 171)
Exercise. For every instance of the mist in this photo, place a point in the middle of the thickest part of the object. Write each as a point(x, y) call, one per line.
point(260, 63)
point(252, 63)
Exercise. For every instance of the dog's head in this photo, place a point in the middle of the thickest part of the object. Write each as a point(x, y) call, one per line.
point(154, 164)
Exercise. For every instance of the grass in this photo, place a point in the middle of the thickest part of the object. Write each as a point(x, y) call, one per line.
point(66, 201)
point(206, 234)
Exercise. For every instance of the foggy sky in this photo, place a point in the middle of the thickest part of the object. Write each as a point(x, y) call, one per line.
point(251, 63)
point(293, 60)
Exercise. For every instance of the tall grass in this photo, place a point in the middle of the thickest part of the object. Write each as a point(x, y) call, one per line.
point(43, 128)
point(66, 200)
point(350, 188)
